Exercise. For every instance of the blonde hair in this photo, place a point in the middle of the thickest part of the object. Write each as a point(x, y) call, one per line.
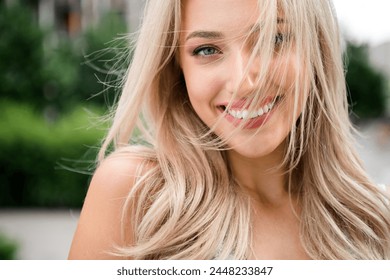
point(187, 205)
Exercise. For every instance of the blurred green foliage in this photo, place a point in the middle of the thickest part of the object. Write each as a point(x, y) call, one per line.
point(8, 248)
point(45, 164)
point(61, 74)
point(103, 60)
point(48, 143)
point(367, 86)
point(22, 74)
point(88, 70)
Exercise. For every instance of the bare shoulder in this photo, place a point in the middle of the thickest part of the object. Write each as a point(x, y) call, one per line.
point(116, 174)
point(99, 227)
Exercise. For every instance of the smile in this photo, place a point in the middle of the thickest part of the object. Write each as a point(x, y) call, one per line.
point(245, 114)
point(252, 119)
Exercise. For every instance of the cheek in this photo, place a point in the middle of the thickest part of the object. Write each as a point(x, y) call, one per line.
point(292, 80)
point(196, 93)
point(201, 86)
point(290, 74)
point(285, 73)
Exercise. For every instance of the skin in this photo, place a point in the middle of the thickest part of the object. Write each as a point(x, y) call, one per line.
point(214, 57)
point(99, 225)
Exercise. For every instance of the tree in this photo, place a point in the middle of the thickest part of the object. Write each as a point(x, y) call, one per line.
point(366, 85)
point(21, 56)
point(103, 58)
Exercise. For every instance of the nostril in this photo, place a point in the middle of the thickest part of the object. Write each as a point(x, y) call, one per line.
point(222, 107)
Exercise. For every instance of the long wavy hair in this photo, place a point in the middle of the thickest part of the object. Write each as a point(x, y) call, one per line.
point(186, 204)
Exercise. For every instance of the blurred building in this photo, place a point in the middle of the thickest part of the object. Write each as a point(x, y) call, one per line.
point(71, 17)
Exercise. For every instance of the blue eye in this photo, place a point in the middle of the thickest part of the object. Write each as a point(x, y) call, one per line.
point(206, 51)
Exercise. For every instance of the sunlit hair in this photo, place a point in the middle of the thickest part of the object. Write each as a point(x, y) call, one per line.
point(186, 204)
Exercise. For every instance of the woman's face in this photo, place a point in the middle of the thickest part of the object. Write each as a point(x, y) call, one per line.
point(214, 54)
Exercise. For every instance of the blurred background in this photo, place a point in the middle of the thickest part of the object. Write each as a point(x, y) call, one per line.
point(60, 61)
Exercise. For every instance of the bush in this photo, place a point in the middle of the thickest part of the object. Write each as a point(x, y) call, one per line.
point(45, 164)
point(8, 248)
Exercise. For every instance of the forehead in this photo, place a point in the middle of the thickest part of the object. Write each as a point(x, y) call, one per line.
point(224, 15)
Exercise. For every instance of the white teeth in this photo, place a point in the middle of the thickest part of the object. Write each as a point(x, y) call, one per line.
point(244, 114)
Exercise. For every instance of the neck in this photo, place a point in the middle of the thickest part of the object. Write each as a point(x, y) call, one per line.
point(263, 178)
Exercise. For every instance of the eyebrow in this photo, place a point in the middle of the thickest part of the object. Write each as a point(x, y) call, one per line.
point(218, 35)
point(205, 35)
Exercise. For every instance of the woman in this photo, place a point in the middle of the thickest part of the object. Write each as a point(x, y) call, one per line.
point(247, 150)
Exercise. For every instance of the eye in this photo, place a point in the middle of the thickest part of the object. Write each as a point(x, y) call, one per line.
point(206, 51)
point(279, 39)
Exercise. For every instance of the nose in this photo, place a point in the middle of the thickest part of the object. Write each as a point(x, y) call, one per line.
point(243, 71)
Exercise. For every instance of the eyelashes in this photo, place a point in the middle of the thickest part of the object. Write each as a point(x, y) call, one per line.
point(212, 50)
point(206, 50)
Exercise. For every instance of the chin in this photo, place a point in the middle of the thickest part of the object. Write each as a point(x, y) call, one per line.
point(255, 152)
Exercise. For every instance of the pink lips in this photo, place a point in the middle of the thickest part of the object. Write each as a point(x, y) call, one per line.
point(248, 123)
